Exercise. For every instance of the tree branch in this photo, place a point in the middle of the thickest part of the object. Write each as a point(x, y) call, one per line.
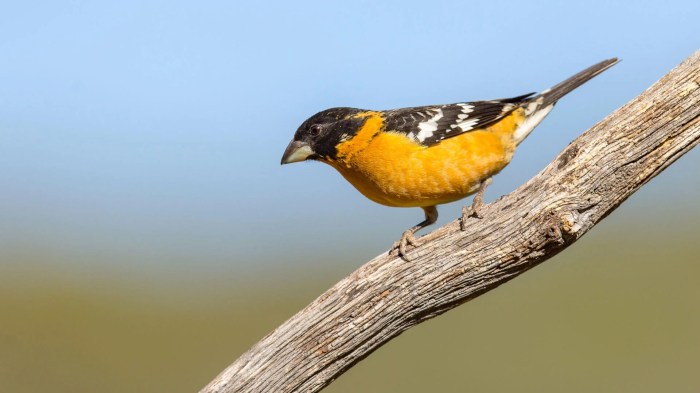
point(386, 296)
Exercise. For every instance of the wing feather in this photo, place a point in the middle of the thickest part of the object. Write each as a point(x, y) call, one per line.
point(428, 125)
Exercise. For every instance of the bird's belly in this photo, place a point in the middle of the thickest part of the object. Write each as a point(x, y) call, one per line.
point(395, 171)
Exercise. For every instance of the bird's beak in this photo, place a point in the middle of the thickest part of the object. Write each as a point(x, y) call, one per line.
point(296, 151)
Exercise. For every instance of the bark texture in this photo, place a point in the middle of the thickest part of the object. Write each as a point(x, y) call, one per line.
point(388, 295)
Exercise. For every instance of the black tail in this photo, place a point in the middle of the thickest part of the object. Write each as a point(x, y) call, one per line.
point(552, 95)
point(537, 107)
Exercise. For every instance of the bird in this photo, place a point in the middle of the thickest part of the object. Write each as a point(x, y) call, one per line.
point(430, 155)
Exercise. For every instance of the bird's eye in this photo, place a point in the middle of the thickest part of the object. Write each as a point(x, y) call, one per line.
point(315, 130)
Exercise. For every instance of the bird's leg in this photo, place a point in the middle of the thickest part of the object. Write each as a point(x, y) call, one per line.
point(477, 203)
point(408, 238)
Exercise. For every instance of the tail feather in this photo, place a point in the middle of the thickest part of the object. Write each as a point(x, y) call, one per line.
point(553, 94)
point(537, 107)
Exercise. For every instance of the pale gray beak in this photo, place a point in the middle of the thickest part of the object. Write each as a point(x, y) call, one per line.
point(296, 151)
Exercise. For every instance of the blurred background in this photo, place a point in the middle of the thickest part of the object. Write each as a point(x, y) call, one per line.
point(149, 236)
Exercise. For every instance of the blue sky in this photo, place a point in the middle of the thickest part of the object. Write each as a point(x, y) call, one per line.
point(137, 133)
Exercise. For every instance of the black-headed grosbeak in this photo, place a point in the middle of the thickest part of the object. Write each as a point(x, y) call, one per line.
point(428, 155)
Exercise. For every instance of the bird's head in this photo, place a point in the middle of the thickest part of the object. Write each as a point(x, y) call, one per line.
point(318, 136)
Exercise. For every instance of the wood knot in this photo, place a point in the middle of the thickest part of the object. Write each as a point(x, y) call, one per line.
point(553, 231)
point(568, 155)
point(570, 222)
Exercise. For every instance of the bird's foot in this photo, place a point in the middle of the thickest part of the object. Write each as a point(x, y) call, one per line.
point(475, 209)
point(407, 239)
point(468, 211)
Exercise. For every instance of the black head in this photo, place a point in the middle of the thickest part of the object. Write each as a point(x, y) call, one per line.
point(317, 137)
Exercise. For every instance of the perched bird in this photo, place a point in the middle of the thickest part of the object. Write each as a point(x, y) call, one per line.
point(428, 155)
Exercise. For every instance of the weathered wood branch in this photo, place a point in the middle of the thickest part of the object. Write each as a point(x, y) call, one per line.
point(388, 295)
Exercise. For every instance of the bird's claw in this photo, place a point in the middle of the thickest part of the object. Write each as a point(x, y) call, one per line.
point(468, 211)
point(475, 209)
point(407, 239)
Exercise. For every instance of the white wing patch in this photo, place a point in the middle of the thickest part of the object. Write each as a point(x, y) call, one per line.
point(440, 125)
point(463, 120)
point(428, 127)
point(466, 110)
point(467, 125)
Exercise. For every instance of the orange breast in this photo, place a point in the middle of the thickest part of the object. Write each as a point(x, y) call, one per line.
point(392, 170)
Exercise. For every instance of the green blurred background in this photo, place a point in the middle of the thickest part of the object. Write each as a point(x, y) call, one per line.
point(148, 235)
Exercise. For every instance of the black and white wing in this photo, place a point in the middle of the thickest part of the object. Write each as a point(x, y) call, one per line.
point(428, 125)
